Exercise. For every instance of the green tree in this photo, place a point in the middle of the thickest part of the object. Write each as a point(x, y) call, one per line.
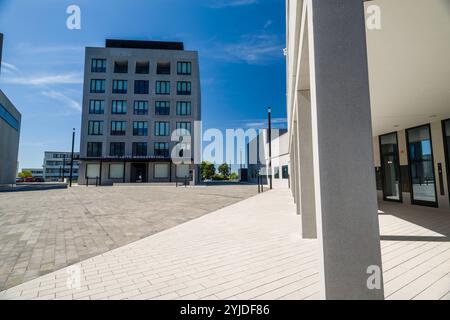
point(207, 170)
point(218, 177)
point(234, 176)
point(224, 170)
point(25, 174)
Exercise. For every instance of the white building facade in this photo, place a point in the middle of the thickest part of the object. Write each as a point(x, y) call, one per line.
point(258, 158)
point(57, 166)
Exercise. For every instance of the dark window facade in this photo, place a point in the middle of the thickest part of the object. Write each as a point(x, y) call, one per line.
point(120, 66)
point(97, 86)
point(141, 86)
point(183, 108)
point(183, 88)
point(95, 128)
point(117, 149)
point(162, 87)
point(184, 68)
point(120, 86)
point(139, 149)
point(422, 178)
point(119, 107)
point(162, 128)
point(94, 149)
point(162, 108)
point(142, 67)
point(118, 128)
point(98, 65)
point(140, 108)
point(163, 68)
point(161, 149)
point(390, 167)
point(285, 172)
point(140, 128)
point(96, 107)
point(183, 128)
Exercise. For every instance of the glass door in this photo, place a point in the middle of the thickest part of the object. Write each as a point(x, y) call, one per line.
point(421, 166)
point(446, 127)
point(390, 168)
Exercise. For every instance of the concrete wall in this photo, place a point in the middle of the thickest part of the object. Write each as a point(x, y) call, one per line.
point(9, 143)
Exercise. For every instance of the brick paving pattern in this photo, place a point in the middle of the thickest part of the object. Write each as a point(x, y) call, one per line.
point(43, 231)
point(253, 250)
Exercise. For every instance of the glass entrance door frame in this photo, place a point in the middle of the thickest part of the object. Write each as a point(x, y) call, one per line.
point(421, 202)
point(447, 154)
point(397, 166)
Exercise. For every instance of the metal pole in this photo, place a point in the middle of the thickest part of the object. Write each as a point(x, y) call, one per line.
point(63, 167)
point(71, 158)
point(241, 159)
point(270, 145)
point(124, 171)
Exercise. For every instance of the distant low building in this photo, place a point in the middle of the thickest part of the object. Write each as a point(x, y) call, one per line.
point(258, 158)
point(57, 165)
point(36, 172)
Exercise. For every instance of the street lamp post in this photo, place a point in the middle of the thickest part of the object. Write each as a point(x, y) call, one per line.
point(269, 111)
point(71, 158)
point(63, 167)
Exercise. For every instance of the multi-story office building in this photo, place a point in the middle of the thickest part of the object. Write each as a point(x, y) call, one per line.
point(10, 120)
point(57, 165)
point(365, 78)
point(137, 96)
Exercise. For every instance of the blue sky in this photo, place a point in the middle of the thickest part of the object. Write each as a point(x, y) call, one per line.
point(240, 45)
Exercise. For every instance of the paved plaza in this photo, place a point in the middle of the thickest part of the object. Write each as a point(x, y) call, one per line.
point(251, 250)
point(43, 231)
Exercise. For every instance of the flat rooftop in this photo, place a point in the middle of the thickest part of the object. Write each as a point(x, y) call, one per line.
point(137, 44)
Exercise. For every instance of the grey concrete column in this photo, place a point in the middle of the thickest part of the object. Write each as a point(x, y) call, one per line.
point(305, 156)
point(344, 179)
point(292, 170)
point(296, 167)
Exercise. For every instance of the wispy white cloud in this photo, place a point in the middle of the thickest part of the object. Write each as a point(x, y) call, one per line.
point(268, 24)
point(218, 4)
point(65, 100)
point(68, 78)
point(258, 48)
point(31, 48)
point(262, 123)
point(9, 67)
